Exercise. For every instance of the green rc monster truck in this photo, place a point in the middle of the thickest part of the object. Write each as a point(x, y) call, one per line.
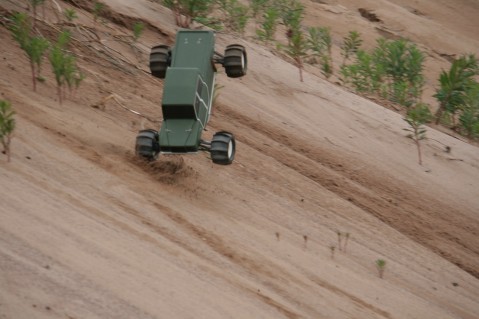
point(189, 71)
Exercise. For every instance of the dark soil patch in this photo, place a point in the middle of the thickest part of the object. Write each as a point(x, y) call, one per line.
point(368, 14)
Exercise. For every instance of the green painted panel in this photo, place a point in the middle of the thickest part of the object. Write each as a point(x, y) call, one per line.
point(180, 86)
point(195, 49)
point(180, 133)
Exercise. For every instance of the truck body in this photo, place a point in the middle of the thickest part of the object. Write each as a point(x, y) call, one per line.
point(188, 92)
point(189, 72)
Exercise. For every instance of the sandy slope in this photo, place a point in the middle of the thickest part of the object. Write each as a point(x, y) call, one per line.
point(88, 231)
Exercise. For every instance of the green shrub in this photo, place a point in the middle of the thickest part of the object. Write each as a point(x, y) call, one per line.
point(70, 14)
point(402, 63)
point(258, 6)
point(188, 10)
point(98, 8)
point(454, 85)
point(33, 46)
point(291, 13)
point(64, 66)
point(320, 43)
point(210, 22)
point(364, 74)
point(320, 40)
point(326, 66)
point(34, 4)
point(381, 267)
point(7, 125)
point(392, 70)
point(350, 46)
point(469, 117)
point(138, 28)
point(469, 123)
point(400, 93)
point(236, 14)
point(269, 24)
point(297, 49)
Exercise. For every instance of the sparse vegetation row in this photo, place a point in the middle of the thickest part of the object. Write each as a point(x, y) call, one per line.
point(393, 70)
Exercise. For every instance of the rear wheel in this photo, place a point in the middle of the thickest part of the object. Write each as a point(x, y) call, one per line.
point(160, 60)
point(147, 145)
point(223, 148)
point(235, 61)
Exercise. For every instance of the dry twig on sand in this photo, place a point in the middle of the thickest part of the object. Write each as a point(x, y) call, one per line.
point(102, 105)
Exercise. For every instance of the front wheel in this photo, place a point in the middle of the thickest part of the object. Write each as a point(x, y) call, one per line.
point(160, 60)
point(235, 61)
point(147, 144)
point(223, 148)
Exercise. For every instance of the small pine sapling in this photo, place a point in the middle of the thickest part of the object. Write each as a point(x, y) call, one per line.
point(238, 15)
point(321, 43)
point(381, 266)
point(297, 49)
point(454, 85)
point(350, 46)
point(64, 66)
point(327, 60)
point(34, 4)
point(20, 28)
point(326, 66)
point(58, 61)
point(315, 42)
point(70, 14)
point(36, 51)
point(187, 11)
point(210, 22)
point(269, 24)
point(73, 76)
point(469, 119)
point(138, 28)
point(7, 125)
point(416, 118)
point(364, 74)
point(258, 6)
point(33, 46)
point(402, 63)
point(291, 13)
point(98, 8)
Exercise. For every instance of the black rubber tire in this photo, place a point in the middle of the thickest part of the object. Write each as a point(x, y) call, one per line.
point(147, 144)
point(223, 148)
point(235, 61)
point(160, 60)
